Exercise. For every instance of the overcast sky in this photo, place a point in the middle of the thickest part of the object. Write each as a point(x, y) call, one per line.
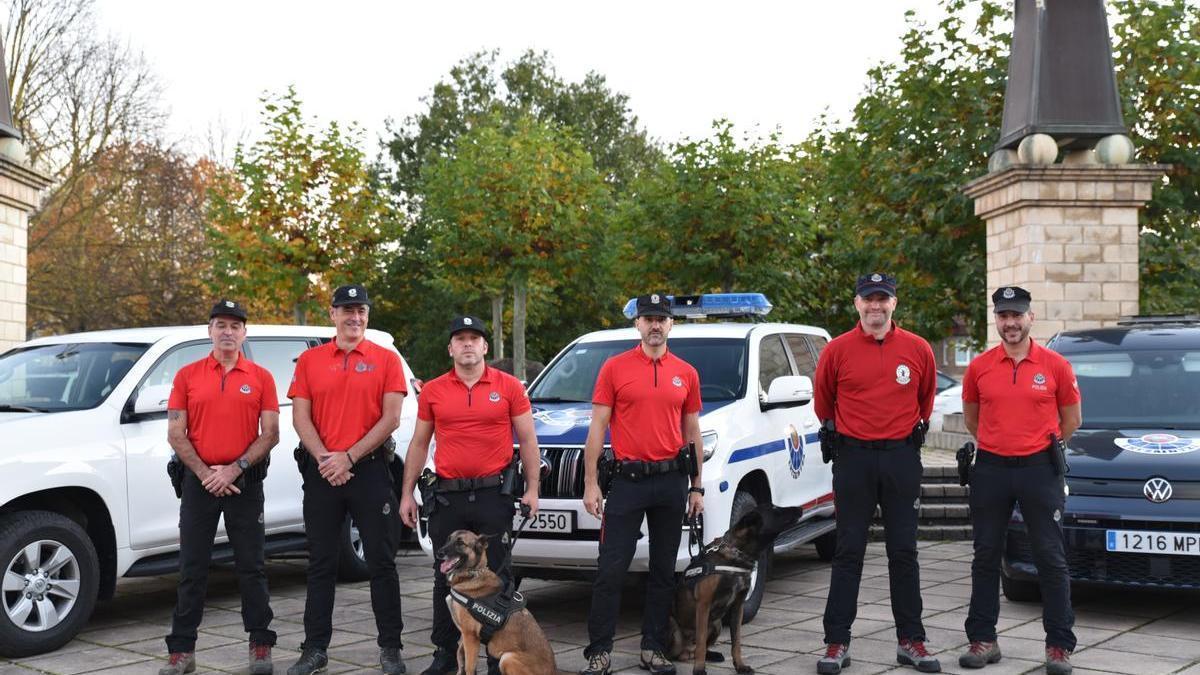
point(682, 64)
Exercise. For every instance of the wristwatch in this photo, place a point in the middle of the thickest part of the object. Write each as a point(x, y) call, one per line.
point(697, 490)
point(243, 464)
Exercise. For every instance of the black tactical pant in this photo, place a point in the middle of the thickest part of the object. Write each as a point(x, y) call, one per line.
point(369, 499)
point(1039, 492)
point(862, 479)
point(199, 511)
point(662, 501)
point(484, 511)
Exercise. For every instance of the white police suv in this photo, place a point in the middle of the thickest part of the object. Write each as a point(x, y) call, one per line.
point(758, 424)
point(85, 497)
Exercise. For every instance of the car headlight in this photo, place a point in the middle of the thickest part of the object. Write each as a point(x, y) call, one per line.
point(709, 439)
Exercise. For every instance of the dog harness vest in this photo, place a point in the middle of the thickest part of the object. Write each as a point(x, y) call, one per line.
point(704, 564)
point(492, 611)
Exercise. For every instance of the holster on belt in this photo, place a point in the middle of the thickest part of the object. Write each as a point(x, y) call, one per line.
point(1058, 456)
point(427, 486)
point(689, 464)
point(512, 483)
point(605, 470)
point(175, 471)
point(830, 441)
point(965, 456)
point(303, 459)
point(917, 437)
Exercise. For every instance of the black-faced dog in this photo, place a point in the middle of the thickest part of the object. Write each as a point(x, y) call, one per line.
point(716, 584)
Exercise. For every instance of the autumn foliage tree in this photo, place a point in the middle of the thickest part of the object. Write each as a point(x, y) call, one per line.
point(126, 246)
point(298, 214)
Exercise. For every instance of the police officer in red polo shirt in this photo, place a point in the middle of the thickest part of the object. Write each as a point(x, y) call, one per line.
point(347, 395)
point(876, 384)
point(650, 401)
point(473, 411)
point(222, 421)
point(1018, 398)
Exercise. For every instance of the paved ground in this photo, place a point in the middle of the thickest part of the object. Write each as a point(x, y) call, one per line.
point(1122, 632)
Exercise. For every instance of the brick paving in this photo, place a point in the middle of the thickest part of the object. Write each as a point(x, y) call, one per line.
point(1119, 632)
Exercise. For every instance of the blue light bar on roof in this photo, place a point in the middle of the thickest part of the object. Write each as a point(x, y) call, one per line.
point(711, 305)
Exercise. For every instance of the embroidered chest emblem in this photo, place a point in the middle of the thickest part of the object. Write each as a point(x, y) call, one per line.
point(363, 367)
point(245, 389)
point(903, 375)
point(677, 381)
point(494, 397)
point(1039, 382)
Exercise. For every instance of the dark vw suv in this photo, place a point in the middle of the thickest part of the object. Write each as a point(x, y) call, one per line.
point(1133, 507)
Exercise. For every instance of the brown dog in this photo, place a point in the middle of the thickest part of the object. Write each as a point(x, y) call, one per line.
point(699, 608)
point(520, 645)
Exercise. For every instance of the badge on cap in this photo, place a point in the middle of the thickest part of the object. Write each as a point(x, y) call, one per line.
point(654, 298)
point(353, 292)
point(229, 303)
point(494, 397)
point(466, 321)
point(1009, 294)
point(903, 375)
point(245, 389)
point(876, 278)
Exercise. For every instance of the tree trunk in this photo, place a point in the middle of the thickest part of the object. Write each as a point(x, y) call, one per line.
point(519, 294)
point(298, 313)
point(498, 326)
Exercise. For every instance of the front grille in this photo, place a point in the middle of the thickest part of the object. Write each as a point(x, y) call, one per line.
point(1128, 489)
point(566, 473)
point(1170, 571)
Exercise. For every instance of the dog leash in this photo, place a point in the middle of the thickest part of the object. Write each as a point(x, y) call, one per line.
point(696, 537)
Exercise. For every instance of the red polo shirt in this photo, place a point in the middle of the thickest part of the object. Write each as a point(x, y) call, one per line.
point(346, 389)
point(872, 389)
point(1019, 402)
point(649, 398)
point(472, 425)
point(223, 408)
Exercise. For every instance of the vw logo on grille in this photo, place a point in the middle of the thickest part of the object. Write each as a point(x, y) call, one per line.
point(1157, 490)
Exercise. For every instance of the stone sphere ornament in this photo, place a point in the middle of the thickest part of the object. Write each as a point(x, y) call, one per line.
point(1081, 158)
point(1001, 160)
point(1037, 149)
point(1115, 149)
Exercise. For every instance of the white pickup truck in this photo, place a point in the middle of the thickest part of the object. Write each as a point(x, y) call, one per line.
point(85, 497)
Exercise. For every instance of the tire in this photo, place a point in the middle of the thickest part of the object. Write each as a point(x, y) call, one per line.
point(352, 563)
point(1020, 590)
point(826, 545)
point(743, 503)
point(30, 543)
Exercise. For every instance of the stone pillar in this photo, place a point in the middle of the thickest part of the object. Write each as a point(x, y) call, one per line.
point(20, 194)
point(1068, 234)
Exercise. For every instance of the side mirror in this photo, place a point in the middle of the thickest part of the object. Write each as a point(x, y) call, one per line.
point(788, 391)
point(152, 399)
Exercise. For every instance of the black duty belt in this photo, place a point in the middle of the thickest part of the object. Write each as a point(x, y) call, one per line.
point(883, 444)
point(1039, 457)
point(634, 470)
point(467, 484)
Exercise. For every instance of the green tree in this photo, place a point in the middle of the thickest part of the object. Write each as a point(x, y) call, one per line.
point(1159, 79)
point(299, 214)
point(886, 187)
point(477, 89)
point(515, 207)
point(719, 215)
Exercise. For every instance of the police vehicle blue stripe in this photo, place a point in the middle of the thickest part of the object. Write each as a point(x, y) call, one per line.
point(746, 454)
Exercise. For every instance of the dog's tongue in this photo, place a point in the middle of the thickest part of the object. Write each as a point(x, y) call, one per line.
point(447, 565)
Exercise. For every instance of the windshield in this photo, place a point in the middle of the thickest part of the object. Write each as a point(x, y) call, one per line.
point(721, 363)
point(1139, 389)
point(54, 378)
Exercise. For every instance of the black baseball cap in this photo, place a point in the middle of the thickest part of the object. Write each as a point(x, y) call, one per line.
point(875, 282)
point(228, 308)
point(1011, 299)
point(654, 304)
point(350, 294)
point(470, 323)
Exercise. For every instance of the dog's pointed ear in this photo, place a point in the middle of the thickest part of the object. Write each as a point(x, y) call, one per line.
point(752, 520)
point(485, 539)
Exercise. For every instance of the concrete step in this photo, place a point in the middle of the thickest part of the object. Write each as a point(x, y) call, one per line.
point(931, 533)
point(946, 440)
point(951, 514)
point(945, 492)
